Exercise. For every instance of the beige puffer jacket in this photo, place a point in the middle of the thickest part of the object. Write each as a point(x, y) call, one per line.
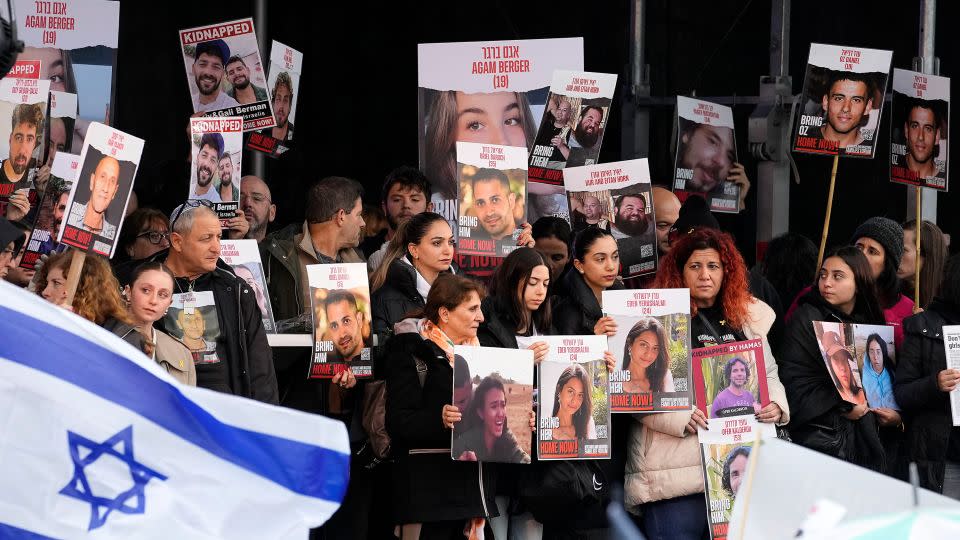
point(663, 461)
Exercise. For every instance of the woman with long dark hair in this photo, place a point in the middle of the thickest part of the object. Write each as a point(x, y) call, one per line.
point(572, 406)
point(596, 267)
point(646, 357)
point(932, 259)
point(821, 418)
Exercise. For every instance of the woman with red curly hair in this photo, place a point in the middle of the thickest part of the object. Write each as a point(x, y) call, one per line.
point(663, 468)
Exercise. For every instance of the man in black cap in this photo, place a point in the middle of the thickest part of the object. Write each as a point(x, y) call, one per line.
point(208, 63)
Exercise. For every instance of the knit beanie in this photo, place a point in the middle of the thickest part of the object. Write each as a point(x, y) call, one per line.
point(887, 232)
point(694, 214)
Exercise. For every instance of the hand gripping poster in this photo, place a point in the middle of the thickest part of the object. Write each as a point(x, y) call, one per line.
point(217, 144)
point(98, 200)
point(651, 348)
point(918, 135)
point(225, 73)
point(487, 92)
point(493, 185)
point(573, 418)
point(75, 42)
point(731, 387)
point(706, 152)
point(52, 210)
point(283, 82)
point(244, 257)
point(340, 304)
point(843, 93)
point(570, 134)
point(493, 388)
point(23, 114)
point(617, 197)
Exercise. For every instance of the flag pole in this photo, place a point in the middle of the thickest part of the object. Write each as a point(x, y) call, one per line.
point(73, 274)
point(826, 218)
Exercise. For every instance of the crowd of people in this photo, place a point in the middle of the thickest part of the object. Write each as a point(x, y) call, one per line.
point(423, 304)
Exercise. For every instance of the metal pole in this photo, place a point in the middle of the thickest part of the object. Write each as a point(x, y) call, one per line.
point(928, 64)
point(260, 21)
point(636, 119)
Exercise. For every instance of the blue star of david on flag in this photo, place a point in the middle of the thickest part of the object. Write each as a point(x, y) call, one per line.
point(119, 446)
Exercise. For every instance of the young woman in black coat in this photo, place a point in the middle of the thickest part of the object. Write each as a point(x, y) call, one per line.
point(434, 496)
point(922, 389)
point(820, 418)
point(596, 267)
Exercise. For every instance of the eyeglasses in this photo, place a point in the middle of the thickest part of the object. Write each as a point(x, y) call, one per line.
point(257, 197)
point(191, 203)
point(155, 237)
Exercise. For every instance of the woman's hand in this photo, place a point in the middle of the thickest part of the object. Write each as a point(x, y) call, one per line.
point(525, 239)
point(947, 379)
point(697, 418)
point(610, 361)
point(450, 416)
point(888, 417)
point(857, 412)
point(606, 326)
point(540, 350)
point(770, 414)
point(345, 379)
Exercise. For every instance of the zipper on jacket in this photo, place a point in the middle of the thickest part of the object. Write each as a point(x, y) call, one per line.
point(483, 497)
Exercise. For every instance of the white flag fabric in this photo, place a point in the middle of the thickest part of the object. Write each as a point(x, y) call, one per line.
point(97, 441)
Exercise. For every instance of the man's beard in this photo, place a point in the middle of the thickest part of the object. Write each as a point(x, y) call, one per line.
point(586, 140)
point(214, 88)
point(631, 228)
point(225, 180)
point(200, 181)
point(17, 167)
point(243, 84)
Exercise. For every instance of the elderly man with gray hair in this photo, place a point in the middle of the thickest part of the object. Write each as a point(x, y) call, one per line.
point(245, 362)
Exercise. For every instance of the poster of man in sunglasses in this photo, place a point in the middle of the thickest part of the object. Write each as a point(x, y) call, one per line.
point(98, 200)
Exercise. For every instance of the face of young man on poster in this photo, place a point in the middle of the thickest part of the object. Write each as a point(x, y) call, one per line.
point(493, 204)
point(206, 164)
point(207, 73)
point(282, 101)
point(59, 210)
point(23, 141)
point(631, 218)
point(922, 136)
point(846, 104)
point(345, 326)
point(738, 377)
point(226, 170)
point(709, 153)
point(490, 118)
point(238, 75)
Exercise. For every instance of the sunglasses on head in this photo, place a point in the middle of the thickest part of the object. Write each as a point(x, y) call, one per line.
point(192, 203)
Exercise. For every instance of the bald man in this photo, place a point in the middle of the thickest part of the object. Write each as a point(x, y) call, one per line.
point(104, 183)
point(666, 207)
point(257, 205)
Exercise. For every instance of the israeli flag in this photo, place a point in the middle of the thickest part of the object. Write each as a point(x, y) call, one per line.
point(97, 441)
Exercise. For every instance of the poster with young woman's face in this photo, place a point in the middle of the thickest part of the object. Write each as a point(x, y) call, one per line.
point(482, 92)
point(919, 145)
point(76, 45)
point(876, 357)
point(493, 388)
point(836, 347)
point(651, 348)
point(573, 421)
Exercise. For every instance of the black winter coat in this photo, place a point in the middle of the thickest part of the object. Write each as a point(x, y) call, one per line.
point(926, 410)
point(428, 484)
point(576, 313)
point(817, 411)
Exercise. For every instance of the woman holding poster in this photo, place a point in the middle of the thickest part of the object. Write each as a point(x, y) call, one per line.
point(664, 472)
point(596, 266)
point(822, 419)
point(436, 497)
